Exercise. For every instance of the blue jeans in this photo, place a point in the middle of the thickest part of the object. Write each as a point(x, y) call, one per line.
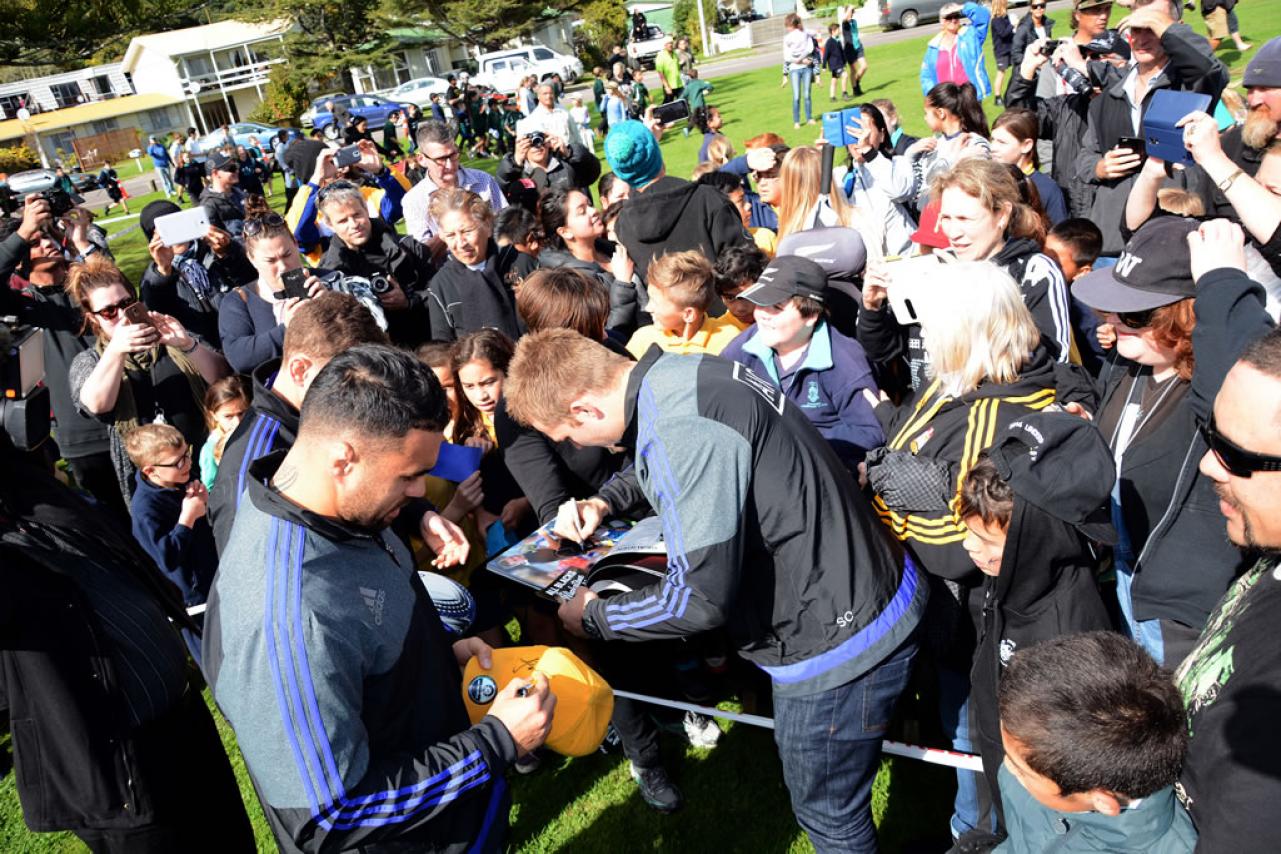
point(954, 710)
point(830, 744)
point(801, 76)
point(166, 180)
point(1146, 633)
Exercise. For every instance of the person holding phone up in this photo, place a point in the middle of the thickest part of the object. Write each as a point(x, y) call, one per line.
point(1164, 57)
point(144, 369)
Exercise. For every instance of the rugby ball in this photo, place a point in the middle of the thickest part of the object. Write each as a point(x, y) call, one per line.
point(454, 603)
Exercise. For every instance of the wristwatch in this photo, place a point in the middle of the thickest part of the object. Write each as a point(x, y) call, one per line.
point(1226, 183)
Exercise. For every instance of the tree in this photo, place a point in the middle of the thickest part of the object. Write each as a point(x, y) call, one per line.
point(68, 34)
point(329, 36)
point(284, 99)
point(685, 20)
point(604, 24)
point(487, 24)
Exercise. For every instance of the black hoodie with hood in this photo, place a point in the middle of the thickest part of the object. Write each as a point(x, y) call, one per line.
point(1060, 471)
point(673, 215)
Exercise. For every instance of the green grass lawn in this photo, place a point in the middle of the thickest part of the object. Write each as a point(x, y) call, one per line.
point(736, 800)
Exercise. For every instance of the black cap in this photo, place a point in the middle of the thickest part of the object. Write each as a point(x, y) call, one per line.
point(786, 277)
point(1155, 269)
point(839, 251)
point(152, 212)
point(1061, 464)
point(220, 161)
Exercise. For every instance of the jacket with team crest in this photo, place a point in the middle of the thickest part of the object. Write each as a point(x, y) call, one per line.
point(324, 652)
point(827, 386)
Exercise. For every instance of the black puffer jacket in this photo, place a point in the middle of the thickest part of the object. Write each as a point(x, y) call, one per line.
point(407, 261)
point(464, 300)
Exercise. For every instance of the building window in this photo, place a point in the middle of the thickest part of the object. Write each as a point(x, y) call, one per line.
point(66, 94)
point(101, 86)
point(12, 103)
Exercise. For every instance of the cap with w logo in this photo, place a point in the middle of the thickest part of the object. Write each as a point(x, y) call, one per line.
point(1154, 270)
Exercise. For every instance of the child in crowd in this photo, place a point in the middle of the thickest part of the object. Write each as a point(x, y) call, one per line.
point(1031, 504)
point(736, 270)
point(834, 59)
point(708, 121)
point(1094, 735)
point(168, 511)
point(695, 94)
point(516, 226)
point(680, 293)
point(479, 366)
point(823, 372)
point(1076, 244)
point(581, 116)
point(225, 404)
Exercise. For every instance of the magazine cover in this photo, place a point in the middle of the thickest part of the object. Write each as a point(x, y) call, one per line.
point(539, 561)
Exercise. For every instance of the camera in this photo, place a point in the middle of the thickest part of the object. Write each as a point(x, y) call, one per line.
point(24, 404)
point(380, 284)
point(1109, 42)
point(1050, 46)
point(537, 139)
point(60, 202)
point(1076, 81)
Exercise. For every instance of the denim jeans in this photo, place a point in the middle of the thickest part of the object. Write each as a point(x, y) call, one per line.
point(802, 76)
point(954, 702)
point(1146, 633)
point(830, 744)
point(166, 180)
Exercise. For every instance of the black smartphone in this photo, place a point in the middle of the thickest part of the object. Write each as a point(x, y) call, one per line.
point(294, 283)
point(1135, 144)
point(672, 112)
point(348, 155)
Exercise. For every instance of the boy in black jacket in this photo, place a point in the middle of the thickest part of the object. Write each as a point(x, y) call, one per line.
point(169, 515)
point(1032, 503)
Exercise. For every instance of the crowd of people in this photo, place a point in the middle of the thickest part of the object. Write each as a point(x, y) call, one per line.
point(953, 425)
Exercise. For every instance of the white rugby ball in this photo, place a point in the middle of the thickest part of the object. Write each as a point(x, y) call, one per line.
point(453, 602)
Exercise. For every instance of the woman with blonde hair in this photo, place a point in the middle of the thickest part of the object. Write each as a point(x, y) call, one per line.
point(799, 209)
point(988, 368)
point(985, 218)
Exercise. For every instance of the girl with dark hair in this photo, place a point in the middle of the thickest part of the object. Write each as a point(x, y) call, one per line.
point(708, 122)
point(880, 183)
point(1014, 135)
point(955, 117)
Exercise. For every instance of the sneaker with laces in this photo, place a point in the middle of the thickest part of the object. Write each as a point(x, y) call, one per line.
point(657, 788)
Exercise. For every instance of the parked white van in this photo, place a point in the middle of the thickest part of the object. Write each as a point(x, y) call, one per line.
point(504, 69)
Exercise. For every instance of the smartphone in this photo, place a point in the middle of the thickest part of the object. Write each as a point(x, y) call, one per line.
point(348, 155)
point(911, 283)
point(137, 313)
point(672, 112)
point(294, 283)
point(183, 227)
point(1135, 144)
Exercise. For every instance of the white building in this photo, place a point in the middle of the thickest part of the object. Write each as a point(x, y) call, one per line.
point(68, 89)
point(220, 70)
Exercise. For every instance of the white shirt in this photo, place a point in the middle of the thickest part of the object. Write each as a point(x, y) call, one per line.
point(1131, 86)
point(555, 122)
point(419, 223)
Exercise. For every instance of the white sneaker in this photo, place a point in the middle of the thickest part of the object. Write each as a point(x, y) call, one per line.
point(701, 730)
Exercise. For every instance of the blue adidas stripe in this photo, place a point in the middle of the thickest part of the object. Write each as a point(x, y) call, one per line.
point(262, 439)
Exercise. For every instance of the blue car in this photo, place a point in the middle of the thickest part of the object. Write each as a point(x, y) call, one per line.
point(370, 107)
point(240, 132)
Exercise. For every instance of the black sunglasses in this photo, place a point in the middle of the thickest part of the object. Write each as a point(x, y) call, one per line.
point(262, 224)
point(1136, 319)
point(109, 312)
point(1236, 459)
point(332, 186)
point(955, 16)
point(1037, 6)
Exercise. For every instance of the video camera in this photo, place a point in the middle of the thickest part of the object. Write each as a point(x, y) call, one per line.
point(24, 406)
point(60, 203)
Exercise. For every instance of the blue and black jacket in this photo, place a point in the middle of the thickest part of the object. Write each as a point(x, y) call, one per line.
point(331, 664)
point(766, 530)
point(827, 386)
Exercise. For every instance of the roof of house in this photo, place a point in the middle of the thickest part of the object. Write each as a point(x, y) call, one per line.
point(214, 36)
point(85, 113)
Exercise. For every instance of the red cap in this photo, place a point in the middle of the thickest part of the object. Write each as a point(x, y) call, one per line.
point(928, 232)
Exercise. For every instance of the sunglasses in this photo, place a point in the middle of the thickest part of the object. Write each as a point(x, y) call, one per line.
point(1037, 6)
point(262, 224)
point(109, 312)
point(955, 16)
point(1237, 460)
point(333, 186)
point(765, 176)
point(1136, 319)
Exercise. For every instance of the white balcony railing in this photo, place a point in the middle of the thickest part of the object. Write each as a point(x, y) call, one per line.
point(253, 74)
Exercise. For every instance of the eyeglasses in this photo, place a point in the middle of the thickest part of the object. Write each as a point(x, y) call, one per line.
point(442, 159)
point(1236, 459)
point(1136, 319)
point(262, 224)
point(109, 312)
point(181, 462)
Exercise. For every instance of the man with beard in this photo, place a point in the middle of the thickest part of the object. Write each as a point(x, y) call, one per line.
point(1231, 683)
point(1247, 144)
point(326, 655)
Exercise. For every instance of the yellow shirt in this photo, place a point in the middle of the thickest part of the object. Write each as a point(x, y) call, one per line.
point(711, 338)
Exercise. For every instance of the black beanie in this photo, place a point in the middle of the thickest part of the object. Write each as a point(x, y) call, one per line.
point(152, 212)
